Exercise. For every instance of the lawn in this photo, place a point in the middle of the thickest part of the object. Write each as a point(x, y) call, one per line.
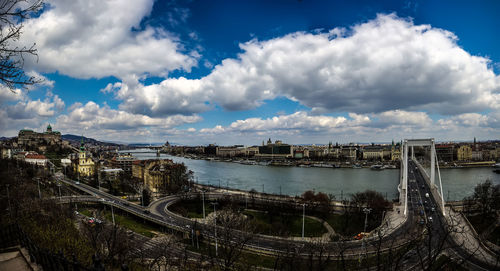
point(351, 224)
point(132, 224)
point(128, 222)
point(285, 224)
point(192, 209)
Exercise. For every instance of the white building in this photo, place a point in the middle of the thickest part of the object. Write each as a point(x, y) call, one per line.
point(37, 159)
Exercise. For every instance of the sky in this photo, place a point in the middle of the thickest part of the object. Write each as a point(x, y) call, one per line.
point(240, 72)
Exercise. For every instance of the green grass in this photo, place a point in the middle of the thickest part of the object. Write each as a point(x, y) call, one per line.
point(86, 212)
point(131, 224)
point(352, 224)
point(285, 224)
point(192, 209)
point(126, 221)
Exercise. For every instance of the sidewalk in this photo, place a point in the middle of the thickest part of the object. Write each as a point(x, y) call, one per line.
point(465, 237)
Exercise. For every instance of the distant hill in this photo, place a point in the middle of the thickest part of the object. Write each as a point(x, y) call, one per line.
point(77, 139)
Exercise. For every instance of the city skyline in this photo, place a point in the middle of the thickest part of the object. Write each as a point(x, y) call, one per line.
point(238, 73)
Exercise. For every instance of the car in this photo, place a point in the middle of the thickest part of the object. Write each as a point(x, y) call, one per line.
point(422, 222)
point(430, 219)
point(77, 182)
point(426, 195)
point(433, 209)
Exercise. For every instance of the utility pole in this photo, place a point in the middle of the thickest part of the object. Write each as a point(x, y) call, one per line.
point(203, 193)
point(215, 228)
point(303, 218)
point(39, 192)
point(366, 211)
point(59, 186)
point(8, 198)
point(113, 214)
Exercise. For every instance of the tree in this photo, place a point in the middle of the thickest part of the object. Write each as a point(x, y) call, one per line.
point(487, 197)
point(12, 15)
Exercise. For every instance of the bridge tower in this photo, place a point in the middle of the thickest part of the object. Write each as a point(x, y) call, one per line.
point(436, 193)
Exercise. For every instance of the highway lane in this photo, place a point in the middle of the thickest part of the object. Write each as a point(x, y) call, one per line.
point(440, 232)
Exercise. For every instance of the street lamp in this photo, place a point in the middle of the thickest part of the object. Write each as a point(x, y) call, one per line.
point(303, 218)
point(59, 186)
point(366, 211)
point(38, 182)
point(215, 227)
point(203, 193)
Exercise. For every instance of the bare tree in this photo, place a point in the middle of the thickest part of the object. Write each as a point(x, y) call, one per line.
point(233, 233)
point(12, 15)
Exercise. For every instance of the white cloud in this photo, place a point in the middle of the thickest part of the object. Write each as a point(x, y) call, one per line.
point(95, 39)
point(102, 121)
point(35, 108)
point(385, 64)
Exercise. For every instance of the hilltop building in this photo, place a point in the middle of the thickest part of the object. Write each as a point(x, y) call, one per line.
point(29, 138)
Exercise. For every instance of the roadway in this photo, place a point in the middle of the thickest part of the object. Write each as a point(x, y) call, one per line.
point(444, 234)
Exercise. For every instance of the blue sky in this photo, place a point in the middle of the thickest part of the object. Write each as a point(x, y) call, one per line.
point(239, 72)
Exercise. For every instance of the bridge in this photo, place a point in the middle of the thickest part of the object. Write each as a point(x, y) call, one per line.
point(437, 192)
point(415, 181)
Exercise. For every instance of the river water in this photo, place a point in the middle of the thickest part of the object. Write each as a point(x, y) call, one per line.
point(341, 182)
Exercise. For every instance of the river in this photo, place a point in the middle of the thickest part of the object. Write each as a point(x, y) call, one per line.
point(341, 182)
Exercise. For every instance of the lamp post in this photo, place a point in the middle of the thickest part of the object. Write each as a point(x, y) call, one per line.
point(203, 196)
point(366, 211)
point(215, 228)
point(59, 186)
point(113, 214)
point(303, 218)
point(8, 198)
point(39, 192)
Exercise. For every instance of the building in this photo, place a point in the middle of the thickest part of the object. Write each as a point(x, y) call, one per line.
point(373, 153)
point(158, 175)
point(83, 164)
point(36, 159)
point(445, 152)
point(464, 153)
point(232, 151)
point(123, 161)
point(29, 138)
point(110, 174)
point(349, 153)
point(395, 152)
point(278, 151)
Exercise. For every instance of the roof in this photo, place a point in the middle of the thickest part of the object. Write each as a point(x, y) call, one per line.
point(35, 156)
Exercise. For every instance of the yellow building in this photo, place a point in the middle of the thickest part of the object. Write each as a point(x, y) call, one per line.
point(159, 176)
point(464, 153)
point(84, 165)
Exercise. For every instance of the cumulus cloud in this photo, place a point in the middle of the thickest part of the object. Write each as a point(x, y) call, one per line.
point(102, 119)
point(95, 39)
point(35, 108)
point(385, 64)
